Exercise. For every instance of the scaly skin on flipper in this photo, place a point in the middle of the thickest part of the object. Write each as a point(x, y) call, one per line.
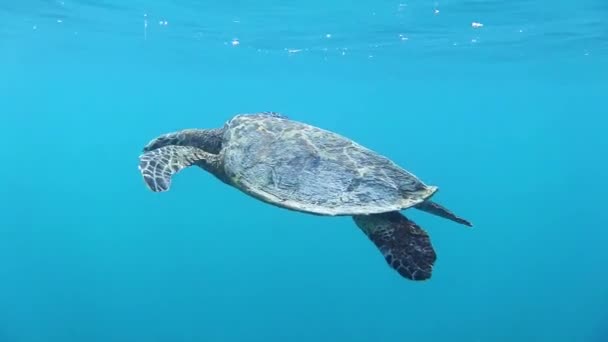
point(405, 246)
point(159, 165)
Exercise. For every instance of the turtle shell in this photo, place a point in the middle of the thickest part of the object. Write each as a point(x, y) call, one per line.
point(305, 168)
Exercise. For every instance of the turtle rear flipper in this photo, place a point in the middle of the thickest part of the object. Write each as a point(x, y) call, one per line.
point(406, 247)
point(439, 210)
point(159, 165)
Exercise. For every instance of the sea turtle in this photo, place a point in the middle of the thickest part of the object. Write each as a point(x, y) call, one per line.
point(297, 166)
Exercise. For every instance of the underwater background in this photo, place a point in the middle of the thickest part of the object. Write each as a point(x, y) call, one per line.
point(502, 104)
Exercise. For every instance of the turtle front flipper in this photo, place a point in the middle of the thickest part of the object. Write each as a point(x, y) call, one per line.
point(439, 210)
point(406, 247)
point(159, 165)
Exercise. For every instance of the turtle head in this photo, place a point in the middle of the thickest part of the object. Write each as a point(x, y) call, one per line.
point(208, 140)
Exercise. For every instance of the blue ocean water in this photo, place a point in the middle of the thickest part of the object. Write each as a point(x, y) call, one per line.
point(502, 104)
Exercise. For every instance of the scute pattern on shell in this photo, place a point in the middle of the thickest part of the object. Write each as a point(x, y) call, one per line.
point(305, 168)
